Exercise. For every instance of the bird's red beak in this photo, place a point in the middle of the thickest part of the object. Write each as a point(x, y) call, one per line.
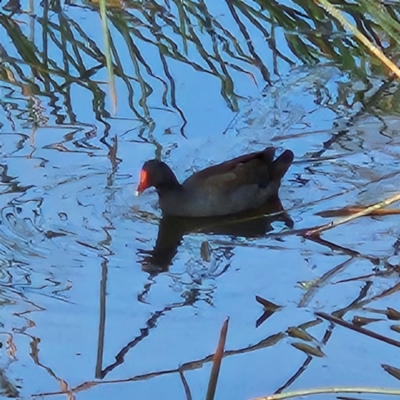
point(143, 184)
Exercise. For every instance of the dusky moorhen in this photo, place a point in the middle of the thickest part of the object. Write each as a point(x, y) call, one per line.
point(243, 183)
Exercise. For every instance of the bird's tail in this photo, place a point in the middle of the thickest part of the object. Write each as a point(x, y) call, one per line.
point(281, 165)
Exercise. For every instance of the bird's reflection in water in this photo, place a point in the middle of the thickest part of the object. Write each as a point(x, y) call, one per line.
point(246, 225)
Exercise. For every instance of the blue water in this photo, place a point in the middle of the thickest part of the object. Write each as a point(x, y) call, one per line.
point(82, 308)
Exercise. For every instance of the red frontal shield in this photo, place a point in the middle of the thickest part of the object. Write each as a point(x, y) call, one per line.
point(143, 184)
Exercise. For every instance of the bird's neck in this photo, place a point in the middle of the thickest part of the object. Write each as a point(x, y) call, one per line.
point(169, 183)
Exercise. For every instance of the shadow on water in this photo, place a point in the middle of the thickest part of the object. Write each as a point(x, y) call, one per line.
point(248, 225)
